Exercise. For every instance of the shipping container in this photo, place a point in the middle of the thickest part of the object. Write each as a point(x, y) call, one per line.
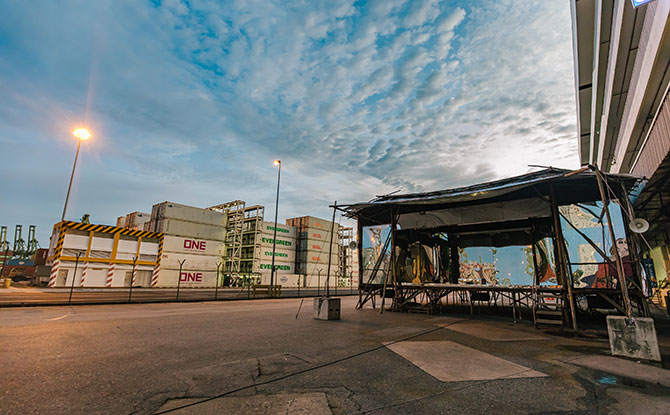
point(283, 231)
point(121, 222)
point(180, 244)
point(193, 261)
point(137, 220)
point(265, 265)
point(176, 227)
point(283, 243)
point(189, 278)
point(310, 222)
point(281, 255)
point(170, 210)
point(314, 268)
point(317, 235)
point(316, 257)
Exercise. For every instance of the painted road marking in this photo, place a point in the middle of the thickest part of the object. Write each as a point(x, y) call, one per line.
point(452, 362)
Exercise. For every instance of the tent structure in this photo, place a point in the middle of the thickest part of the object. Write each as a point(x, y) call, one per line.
point(411, 246)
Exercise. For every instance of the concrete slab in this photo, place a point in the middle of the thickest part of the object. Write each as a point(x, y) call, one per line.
point(494, 333)
point(635, 337)
point(295, 404)
point(625, 368)
point(452, 362)
point(633, 402)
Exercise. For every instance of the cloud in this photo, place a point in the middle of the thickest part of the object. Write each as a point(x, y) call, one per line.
point(191, 101)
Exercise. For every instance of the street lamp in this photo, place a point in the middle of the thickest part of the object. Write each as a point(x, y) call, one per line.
point(81, 134)
point(274, 239)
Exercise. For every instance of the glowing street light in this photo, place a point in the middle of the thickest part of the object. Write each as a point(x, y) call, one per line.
point(274, 239)
point(81, 134)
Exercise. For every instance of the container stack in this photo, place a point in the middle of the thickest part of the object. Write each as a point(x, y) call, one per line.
point(193, 235)
point(181, 220)
point(313, 248)
point(285, 249)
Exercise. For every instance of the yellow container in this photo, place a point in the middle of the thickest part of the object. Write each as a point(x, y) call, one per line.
point(8, 282)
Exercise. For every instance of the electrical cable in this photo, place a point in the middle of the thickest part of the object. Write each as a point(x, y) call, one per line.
point(310, 369)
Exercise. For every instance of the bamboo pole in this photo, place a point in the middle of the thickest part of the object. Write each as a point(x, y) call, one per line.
point(619, 266)
point(561, 258)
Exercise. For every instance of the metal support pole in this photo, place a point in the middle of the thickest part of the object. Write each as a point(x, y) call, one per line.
point(562, 257)
point(274, 238)
point(330, 249)
point(181, 264)
point(69, 188)
point(74, 276)
point(132, 280)
point(623, 283)
point(216, 290)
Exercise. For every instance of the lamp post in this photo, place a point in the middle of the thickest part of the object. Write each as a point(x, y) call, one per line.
point(74, 276)
point(274, 239)
point(81, 134)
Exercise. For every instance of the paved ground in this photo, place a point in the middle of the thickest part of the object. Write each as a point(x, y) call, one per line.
point(257, 357)
point(31, 296)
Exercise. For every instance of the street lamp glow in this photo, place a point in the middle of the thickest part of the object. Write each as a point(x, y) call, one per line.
point(81, 133)
point(276, 162)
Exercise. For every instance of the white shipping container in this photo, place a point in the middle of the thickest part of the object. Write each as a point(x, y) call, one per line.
point(313, 257)
point(315, 269)
point(171, 210)
point(310, 222)
point(283, 243)
point(281, 255)
point(265, 265)
point(317, 235)
point(197, 262)
point(283, 231)
point(181, 244)
point(189, 278)
point(176, 227)
point(137, 220)
point(285, 280)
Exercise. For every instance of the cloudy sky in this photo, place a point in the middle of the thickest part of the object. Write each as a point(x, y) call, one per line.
point(190, 101)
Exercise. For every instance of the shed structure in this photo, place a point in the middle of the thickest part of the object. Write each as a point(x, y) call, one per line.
point(411, 246)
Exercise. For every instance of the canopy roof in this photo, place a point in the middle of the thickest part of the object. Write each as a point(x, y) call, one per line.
point(514, 198)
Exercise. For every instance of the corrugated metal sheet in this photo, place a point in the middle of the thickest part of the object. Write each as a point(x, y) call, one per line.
point(658, 143)
point(176, 227)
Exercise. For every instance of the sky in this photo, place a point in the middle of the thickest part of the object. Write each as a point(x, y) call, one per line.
point(191, 101)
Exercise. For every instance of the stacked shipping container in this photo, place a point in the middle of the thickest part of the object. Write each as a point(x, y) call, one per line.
point(285, 248)
point(314, 239)
point(195, 238)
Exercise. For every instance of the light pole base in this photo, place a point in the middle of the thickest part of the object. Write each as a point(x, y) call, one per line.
point(326, 308)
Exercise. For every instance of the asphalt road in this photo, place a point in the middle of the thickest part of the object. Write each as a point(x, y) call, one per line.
point(14, 297)
point(257, 357)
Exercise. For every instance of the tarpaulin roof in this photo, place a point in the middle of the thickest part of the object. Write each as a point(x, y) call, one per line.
point(578, 186)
